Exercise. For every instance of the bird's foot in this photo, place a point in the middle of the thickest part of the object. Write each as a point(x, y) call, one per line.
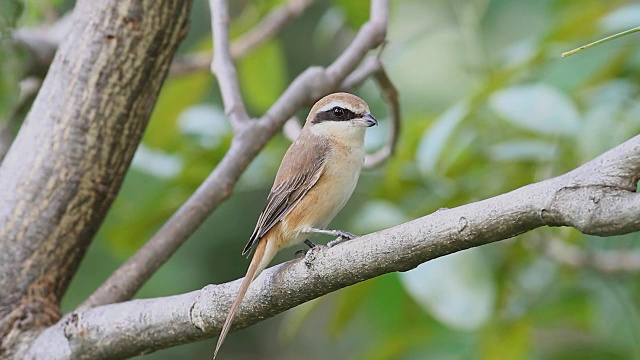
point(310, 255)
point(341, 235)
point(303, 252)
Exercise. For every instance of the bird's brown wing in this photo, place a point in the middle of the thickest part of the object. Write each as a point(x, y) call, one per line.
point(300, 169)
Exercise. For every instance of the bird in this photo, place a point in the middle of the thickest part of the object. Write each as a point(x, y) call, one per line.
point(315, 180)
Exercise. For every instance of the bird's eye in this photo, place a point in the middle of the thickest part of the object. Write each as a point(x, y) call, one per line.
point(338, 112)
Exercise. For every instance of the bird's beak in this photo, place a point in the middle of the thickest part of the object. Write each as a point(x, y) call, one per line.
point(366, 121)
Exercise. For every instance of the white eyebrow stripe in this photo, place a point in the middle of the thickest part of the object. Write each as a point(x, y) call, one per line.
point(342, 104)
point(332, 104)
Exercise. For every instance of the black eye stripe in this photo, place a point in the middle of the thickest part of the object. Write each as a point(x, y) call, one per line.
point(334, 114)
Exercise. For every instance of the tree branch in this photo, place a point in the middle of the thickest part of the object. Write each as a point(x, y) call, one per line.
point(268, 27)
point(42, 42)
point(373, 66)
point(68, 161)
point(391, 96)
point(223, 67)
point(597, 198)
point(265, 30)
point(309, 86)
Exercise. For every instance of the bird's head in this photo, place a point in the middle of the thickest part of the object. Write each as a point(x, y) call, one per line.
point(340, 114)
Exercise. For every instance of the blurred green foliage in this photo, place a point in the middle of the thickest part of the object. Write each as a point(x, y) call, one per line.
point(10, 11)
point(488, 106)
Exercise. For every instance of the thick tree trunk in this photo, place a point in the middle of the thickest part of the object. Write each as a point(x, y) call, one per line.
point(70, 157)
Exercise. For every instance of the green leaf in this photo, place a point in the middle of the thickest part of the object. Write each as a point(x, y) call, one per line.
point(393, 346)
point(177, 94)
point(506, 340)
point(388, 301)
point(262, 75)
point(130, 222)
point(457, 289)
point(205, 125)
point(622, 18)
point(435, 138)
point(538, 107)
point(296, 318)
point(376, 215)
point(616, 318)
point(611, 109)
point(349, 304)
point(523, 150)
point(356, 11)
point(11, 59)
point(10, 11)
point(589, 351)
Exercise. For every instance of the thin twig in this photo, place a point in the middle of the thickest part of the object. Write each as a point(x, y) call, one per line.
point(368, 67)
point(42, 42)
point(309, 86)
point(269, 26)
point(601, 41)
point(265, 30)
point(373, 66)
point(390, 94)
point(191, 63)
point(223, 66)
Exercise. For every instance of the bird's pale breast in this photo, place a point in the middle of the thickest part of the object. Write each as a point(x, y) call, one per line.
point(332, 191)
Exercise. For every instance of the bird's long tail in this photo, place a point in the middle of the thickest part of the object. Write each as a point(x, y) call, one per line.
point(265, 251)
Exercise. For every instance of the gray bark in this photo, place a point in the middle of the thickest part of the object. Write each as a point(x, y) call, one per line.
point(597, 198)
point(68, 161)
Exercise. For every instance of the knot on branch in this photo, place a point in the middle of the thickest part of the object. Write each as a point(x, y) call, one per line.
point(464, 232)
point(196, 315)
point(594, 209)
point(310, 256)
point(377, 30)
point(71, 326)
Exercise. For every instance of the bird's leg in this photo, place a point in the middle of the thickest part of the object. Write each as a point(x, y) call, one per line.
point(338, 233)
point(303, 252)
point(341, 235)
point(337, 241)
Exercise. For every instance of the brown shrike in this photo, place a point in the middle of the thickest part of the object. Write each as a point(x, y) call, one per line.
point(315, 179)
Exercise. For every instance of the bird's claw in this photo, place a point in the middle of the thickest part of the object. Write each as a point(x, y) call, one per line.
point(345, 235)
point(342, 237)
point(310, 255)
point(336, 241)
point(303, 252)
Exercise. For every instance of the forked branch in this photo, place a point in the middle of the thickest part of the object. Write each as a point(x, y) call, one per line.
point(248, 141)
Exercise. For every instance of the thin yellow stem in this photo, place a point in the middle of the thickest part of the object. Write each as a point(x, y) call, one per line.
point(584, 47)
